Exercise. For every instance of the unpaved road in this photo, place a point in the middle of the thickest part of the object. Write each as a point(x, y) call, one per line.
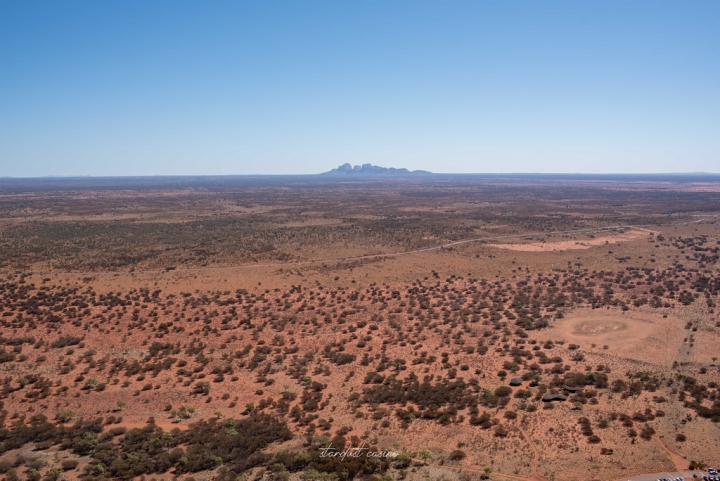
point(536, 454)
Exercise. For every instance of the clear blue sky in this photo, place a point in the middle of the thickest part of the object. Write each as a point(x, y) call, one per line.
point(265, 87)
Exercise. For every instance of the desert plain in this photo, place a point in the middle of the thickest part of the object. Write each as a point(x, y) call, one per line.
point(457, 327)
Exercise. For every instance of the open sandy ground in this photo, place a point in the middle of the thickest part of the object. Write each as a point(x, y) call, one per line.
point(564, 245)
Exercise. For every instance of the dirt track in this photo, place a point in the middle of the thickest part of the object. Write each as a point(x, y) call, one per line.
point(392, 254)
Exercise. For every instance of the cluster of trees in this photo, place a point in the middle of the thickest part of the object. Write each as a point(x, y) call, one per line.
point(234, 445)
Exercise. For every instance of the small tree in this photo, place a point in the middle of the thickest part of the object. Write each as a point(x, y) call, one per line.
point(425, 455)
point(53, 474)
point(65, 416)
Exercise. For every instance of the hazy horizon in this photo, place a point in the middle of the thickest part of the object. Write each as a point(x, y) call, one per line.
point(327, 174)
point(280, 88)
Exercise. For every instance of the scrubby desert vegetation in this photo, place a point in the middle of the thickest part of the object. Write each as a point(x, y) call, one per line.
point(126, 352)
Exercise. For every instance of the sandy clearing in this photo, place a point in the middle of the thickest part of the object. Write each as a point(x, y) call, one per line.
point(574, 244)
point(645, 337)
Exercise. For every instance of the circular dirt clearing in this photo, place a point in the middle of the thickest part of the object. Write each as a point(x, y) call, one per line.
point(636, 335)
point(598, 327)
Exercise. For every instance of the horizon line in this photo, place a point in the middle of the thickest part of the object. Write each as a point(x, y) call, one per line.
point(352, 175)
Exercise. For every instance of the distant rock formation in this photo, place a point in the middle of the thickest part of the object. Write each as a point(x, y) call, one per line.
point(369, 169)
